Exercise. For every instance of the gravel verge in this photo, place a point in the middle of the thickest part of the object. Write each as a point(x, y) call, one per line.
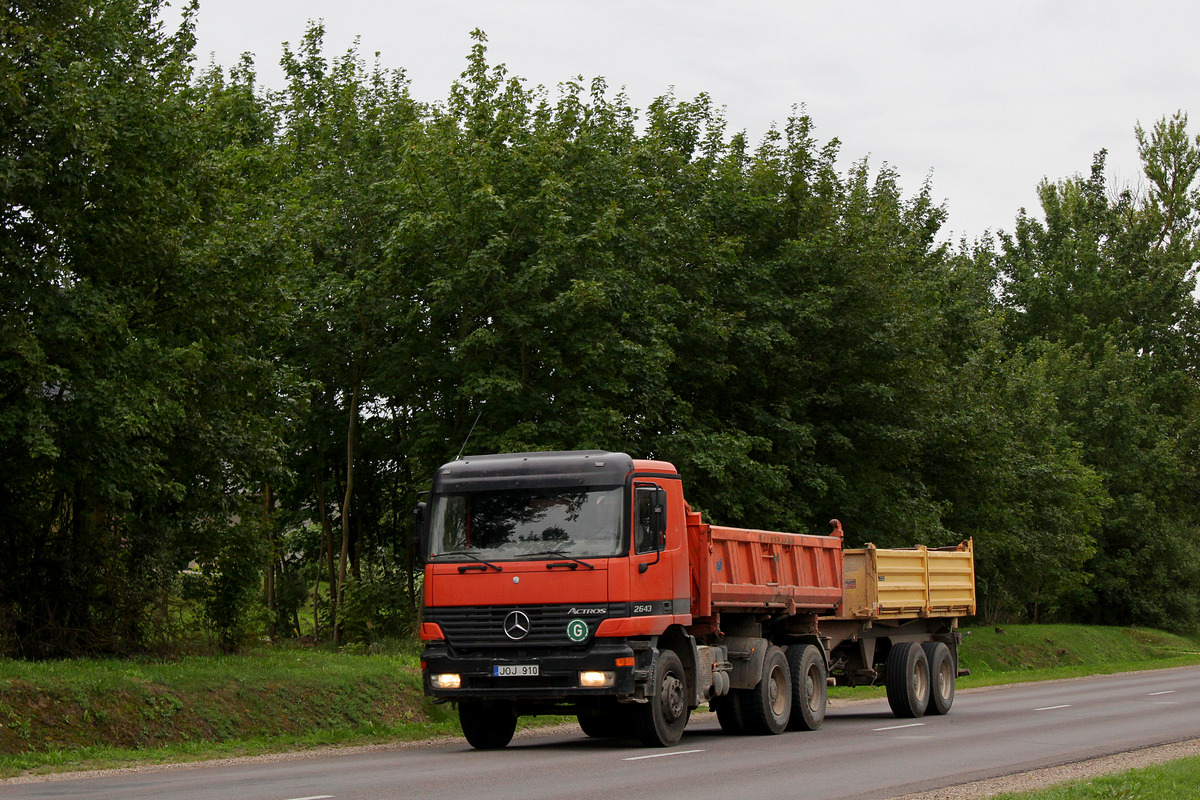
point(1075, 771)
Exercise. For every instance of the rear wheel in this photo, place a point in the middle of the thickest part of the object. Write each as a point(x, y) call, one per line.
point(660, 722)
point(771, 701)
point(809, 687)
point(943, 673)
point(729, 712)
point(907, 678)
point(487, 725)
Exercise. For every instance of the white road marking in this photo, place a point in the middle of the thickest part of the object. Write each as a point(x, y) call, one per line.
point(1052, 708)
point(1156, 694)
point(898, 727)
point(664, 755)
point(314, 797)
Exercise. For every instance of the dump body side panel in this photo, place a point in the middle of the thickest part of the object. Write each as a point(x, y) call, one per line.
point(908, 583)
point(952, 581)
point(860, 585)
point(754, 569)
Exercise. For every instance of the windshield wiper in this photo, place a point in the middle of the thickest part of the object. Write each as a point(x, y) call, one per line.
point(469, 554)
point(561, 554)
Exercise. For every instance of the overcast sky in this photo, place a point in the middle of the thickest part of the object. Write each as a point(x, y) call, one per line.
point(987, 98)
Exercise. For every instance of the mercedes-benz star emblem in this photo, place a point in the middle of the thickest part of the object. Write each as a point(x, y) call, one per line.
point(516, 625)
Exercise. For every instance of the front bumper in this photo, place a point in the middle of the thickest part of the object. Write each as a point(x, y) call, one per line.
point(557, 678)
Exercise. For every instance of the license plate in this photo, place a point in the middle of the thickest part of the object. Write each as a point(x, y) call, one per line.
point(514, 670)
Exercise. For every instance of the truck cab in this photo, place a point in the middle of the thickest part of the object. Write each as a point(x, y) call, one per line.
point(548, 578)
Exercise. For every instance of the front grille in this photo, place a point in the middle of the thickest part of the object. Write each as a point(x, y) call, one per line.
point(474, 627)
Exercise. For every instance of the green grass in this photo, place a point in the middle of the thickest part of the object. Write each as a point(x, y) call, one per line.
point(65, 715)
point(1045, 652)
point(87, 713)
point(1174, 780)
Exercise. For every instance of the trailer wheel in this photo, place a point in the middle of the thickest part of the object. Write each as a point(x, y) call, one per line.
point(907, 679)
point(771, 701)
point(943, 673)
point(660, 722)
point(810, 690)
point(487, 726)
point(729, 711)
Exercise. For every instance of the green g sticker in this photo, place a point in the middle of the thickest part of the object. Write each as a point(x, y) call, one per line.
point(577, 630)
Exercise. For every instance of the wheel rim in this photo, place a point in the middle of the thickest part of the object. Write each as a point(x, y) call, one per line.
point(945, 679)
point(777, 692)
point(672, 697)
point(811, 681)
point(920, 681)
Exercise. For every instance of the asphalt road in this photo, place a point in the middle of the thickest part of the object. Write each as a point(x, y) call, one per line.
point(862, 752)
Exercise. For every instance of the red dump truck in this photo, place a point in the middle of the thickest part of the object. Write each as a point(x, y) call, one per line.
point(583, 583)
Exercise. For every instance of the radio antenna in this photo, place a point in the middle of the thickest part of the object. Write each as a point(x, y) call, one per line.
point(464, 444)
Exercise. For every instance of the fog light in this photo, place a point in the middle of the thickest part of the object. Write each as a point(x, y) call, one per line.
point(597, 680)
point(448, 680)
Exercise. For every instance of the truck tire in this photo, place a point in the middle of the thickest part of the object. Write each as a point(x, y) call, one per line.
point(810, 690)
point(770, 705)
point(487, 726)
point(608, 719)
point(729, 711)
point(660, 722)
point(907, 678)
point(943, 673)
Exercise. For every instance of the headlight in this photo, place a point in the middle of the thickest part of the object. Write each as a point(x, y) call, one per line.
point(447, 680)
point(597, 680)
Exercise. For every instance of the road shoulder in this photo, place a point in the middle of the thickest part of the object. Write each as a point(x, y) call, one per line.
point(1049, 776)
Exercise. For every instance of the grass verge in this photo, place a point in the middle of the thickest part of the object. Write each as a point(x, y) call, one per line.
point(104, 713)
point(1174, 780)
point(59, 716)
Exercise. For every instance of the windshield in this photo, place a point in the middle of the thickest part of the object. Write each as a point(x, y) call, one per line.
point(519, 523)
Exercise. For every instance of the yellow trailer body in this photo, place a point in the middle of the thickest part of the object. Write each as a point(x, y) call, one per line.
point(908, 583)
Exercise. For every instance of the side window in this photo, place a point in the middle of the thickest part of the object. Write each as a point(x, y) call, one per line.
point(645, 529)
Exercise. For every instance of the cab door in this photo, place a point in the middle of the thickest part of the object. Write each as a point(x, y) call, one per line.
point(659, 570)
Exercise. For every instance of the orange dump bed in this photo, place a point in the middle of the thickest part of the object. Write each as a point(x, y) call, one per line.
point(741, 569)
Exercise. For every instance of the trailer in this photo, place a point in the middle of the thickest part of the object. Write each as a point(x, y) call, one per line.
point(583, 583)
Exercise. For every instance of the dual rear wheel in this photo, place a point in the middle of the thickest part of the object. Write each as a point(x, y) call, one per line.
point(920, 678)
point(791, 694)
point(810, 691)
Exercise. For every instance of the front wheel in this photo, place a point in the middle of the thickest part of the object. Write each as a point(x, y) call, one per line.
point(810, 689)
point(487, 726)
point(729, 712)
point(660, 722)
point(607, 719)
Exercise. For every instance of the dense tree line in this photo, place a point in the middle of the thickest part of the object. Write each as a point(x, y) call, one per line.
point(241, 327)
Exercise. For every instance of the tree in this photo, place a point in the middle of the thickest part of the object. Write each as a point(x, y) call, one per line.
point(1106, 284)
point(131, 424)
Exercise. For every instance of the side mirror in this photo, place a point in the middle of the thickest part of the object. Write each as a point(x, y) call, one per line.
point(660, 516)
point(420, 537)
point(657, 523)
